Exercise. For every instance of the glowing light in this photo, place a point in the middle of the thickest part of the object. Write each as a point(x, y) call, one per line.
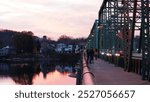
point(102, 53)
point(108, 54)
point(117, 54)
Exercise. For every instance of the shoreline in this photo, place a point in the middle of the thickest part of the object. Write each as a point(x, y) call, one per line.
point(37, 58)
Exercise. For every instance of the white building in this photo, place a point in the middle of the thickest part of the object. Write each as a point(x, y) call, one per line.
point(7, 51)
point(60, 47)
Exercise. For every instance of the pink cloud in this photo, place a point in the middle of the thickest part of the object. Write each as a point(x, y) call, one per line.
point(50, 17)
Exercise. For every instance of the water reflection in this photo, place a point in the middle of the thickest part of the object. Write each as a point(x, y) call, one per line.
point(41, 73)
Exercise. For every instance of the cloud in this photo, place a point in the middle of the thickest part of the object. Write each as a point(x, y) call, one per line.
point(73, 17)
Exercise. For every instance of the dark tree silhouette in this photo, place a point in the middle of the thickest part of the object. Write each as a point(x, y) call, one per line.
point(65, 39)
point(70, 40)
point(24, 42)
point(38, 45)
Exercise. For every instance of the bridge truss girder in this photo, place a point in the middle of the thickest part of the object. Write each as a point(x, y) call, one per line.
point(93, 37)
point(146, 39)
point(123, 18)
point(119, 21)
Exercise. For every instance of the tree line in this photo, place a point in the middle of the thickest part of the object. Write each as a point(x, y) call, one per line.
point(24, 42)
point(27, 42)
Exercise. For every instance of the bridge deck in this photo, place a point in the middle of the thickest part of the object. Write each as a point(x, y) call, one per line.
point(108, 74)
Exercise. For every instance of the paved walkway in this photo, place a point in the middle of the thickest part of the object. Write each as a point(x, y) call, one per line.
point(107, 74)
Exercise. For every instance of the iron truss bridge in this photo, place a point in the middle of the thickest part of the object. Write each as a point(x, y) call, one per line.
point(121, 34)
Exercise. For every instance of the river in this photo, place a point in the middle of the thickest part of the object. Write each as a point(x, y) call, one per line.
point(37, 73)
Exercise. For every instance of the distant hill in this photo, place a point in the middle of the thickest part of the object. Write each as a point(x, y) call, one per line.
point(6, 37)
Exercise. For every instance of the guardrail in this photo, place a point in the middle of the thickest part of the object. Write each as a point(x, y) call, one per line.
point(87, 75)
point(119, 61)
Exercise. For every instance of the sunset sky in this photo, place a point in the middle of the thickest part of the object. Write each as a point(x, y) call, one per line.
point(50, 17)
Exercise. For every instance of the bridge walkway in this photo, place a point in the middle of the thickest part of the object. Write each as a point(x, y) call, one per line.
point(108, 74)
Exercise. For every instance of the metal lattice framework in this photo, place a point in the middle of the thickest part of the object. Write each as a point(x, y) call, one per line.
point(146, 39)
point(93, 38)
point(119, 21)
point(126, 34)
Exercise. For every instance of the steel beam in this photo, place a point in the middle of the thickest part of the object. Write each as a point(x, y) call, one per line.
point(146, 39)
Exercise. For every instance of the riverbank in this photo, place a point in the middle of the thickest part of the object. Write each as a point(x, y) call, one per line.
point(40, 57)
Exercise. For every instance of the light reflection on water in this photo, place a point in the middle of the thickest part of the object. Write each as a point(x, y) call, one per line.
point(36, 74)
point(53, 78)
point(6, 81)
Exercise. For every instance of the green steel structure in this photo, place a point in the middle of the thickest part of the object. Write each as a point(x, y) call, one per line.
point(146, 39)
point(114, 31)
point(93, 38)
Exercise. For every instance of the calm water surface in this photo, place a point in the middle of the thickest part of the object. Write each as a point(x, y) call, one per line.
point(37, 73)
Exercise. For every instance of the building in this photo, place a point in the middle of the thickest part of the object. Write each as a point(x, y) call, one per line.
point(60, 47)
point(7, 51)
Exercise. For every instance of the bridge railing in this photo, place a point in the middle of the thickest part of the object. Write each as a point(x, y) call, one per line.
point(119, 61)
point(87, 75)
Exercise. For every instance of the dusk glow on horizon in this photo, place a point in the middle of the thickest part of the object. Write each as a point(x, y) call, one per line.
point(52, 18)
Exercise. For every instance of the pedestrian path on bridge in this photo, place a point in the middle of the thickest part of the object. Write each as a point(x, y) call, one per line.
point(108, 74)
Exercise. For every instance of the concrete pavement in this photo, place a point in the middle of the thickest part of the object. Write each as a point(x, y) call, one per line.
point(107, 74)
